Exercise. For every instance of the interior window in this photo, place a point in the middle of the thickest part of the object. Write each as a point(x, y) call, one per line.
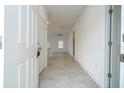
point(60, 44)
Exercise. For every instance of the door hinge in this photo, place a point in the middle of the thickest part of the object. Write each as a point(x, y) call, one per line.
point(109, 75)
point(110, 11)
point(110, 43)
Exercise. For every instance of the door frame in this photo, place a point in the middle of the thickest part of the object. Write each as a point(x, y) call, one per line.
point(73, 40)
point(112, 55)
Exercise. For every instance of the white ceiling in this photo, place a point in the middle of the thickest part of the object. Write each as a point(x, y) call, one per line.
point(62, 17)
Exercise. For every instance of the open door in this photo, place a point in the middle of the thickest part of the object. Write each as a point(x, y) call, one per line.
point(20, 67)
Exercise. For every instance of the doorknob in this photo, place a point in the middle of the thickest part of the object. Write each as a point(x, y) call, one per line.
point(38, 52)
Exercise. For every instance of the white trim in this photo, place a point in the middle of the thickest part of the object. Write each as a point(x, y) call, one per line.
point(116, 31)
point(115, 56)
point(106, 45)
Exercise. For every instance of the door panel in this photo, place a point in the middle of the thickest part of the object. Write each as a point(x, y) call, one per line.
point(22, 69)
point(29, 73)
point(31, 26)
point(33, 30)
point(23, 28)
point(32, 72)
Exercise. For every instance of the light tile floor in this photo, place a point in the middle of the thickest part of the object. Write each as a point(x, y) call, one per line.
point(64, 72)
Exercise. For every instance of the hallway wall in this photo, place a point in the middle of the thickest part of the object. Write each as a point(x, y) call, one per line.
point(42, 37)
point(90, 42)
point(42, 11)
point(70, 43)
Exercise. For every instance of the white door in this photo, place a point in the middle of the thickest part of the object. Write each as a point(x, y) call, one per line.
point(20, 47)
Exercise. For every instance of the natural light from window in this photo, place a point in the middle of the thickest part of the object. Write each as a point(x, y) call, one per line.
point(60, 44)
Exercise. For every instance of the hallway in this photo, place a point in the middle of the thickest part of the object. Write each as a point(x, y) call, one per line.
point(64, 72)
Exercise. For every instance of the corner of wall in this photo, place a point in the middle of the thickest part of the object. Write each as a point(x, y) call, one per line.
point(42, 12)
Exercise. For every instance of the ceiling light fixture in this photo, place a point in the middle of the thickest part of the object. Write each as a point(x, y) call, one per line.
point(59, 36)
point(47, 22)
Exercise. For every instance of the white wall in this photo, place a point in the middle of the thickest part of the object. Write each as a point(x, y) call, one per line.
point(70, 43)
point(53, 41)
point(90, 42)
point(42, 33)
point(122, 49)
point(42, 12)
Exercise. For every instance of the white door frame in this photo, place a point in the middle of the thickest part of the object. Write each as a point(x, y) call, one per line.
point(112, 54)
